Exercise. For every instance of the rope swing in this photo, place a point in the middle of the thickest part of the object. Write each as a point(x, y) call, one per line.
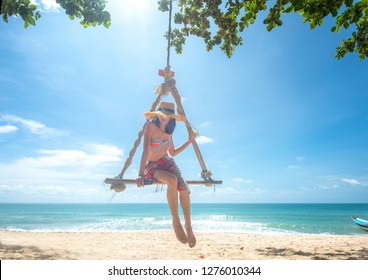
point(118, 184)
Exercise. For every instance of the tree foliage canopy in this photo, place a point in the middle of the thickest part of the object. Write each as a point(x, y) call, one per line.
point(220, 22)
point(91, 12)
point(231, 17)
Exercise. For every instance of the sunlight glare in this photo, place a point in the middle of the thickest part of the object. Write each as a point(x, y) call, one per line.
point(128, 10)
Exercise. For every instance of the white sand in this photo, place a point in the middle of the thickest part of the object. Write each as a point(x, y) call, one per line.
point(162, 245)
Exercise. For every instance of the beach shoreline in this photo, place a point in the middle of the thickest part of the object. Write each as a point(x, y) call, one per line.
point(162, 245)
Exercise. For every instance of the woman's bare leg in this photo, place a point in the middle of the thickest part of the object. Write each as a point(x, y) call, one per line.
point(185, 206)
point(172, 199)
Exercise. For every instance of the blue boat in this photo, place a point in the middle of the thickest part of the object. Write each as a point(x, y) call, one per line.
point(361, 223)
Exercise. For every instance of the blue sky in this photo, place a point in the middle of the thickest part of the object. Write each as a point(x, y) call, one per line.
point(281, 121)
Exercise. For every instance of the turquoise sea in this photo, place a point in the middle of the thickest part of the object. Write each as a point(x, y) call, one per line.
point(294, 219)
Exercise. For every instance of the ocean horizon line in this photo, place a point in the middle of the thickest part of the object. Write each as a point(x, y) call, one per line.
point(193, 203)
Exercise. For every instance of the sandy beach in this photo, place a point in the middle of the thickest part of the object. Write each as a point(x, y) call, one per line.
point(162, 245)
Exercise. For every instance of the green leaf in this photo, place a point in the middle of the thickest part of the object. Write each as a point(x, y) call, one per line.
point(5, 17)
point(31, 20)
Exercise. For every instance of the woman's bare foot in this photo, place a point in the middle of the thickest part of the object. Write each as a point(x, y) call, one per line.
point(190, 235)
point(179, 232)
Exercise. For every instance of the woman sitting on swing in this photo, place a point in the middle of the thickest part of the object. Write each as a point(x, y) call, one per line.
point(157, 164)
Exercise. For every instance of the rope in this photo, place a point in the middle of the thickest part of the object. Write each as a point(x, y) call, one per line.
point(205, 173)
point(169, 36)
point(169, 85)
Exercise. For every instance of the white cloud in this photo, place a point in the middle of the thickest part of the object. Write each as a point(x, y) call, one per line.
point(47, 5)
point(319, 187)
point(293, 166)
point(300, 159)
point(56, 173)
point(8, 129)
point(241, 180)
point(331, 187)
point(50, 4)
point(353, 182)
point(228, 190)
point(53, 193)
point(34, 127)
point(62, 167)
point(204, 140)
point(98, 155)
point(29, 190)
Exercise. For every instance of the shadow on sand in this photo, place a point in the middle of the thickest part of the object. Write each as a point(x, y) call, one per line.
point(15, 252)
point(361, 254)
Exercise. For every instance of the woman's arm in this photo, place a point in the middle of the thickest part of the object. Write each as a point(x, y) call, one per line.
point(173, 152)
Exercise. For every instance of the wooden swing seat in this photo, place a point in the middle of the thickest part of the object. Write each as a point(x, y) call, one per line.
point(117, 183)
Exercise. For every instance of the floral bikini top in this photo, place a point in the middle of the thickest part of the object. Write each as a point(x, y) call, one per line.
point(158, 144)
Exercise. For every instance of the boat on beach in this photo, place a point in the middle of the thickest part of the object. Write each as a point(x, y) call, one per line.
point(361, 223)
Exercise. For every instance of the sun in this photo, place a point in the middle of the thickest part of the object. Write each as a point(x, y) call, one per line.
point(130, 10)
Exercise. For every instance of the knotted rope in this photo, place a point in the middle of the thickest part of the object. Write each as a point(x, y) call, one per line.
point(169, 36)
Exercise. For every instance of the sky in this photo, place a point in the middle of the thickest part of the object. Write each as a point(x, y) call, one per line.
point(282, 121)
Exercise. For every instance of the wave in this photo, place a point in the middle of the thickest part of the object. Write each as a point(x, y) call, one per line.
point(211, 223)
point(251, 219)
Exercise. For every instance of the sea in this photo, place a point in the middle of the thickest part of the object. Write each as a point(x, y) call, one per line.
point(289, 219)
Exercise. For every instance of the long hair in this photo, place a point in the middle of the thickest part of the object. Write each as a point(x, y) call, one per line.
point(170, 127)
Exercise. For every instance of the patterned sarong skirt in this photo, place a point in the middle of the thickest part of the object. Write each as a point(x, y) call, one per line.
point(168, 164)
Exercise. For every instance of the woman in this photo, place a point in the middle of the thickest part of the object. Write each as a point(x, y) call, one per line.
point(156, 164)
